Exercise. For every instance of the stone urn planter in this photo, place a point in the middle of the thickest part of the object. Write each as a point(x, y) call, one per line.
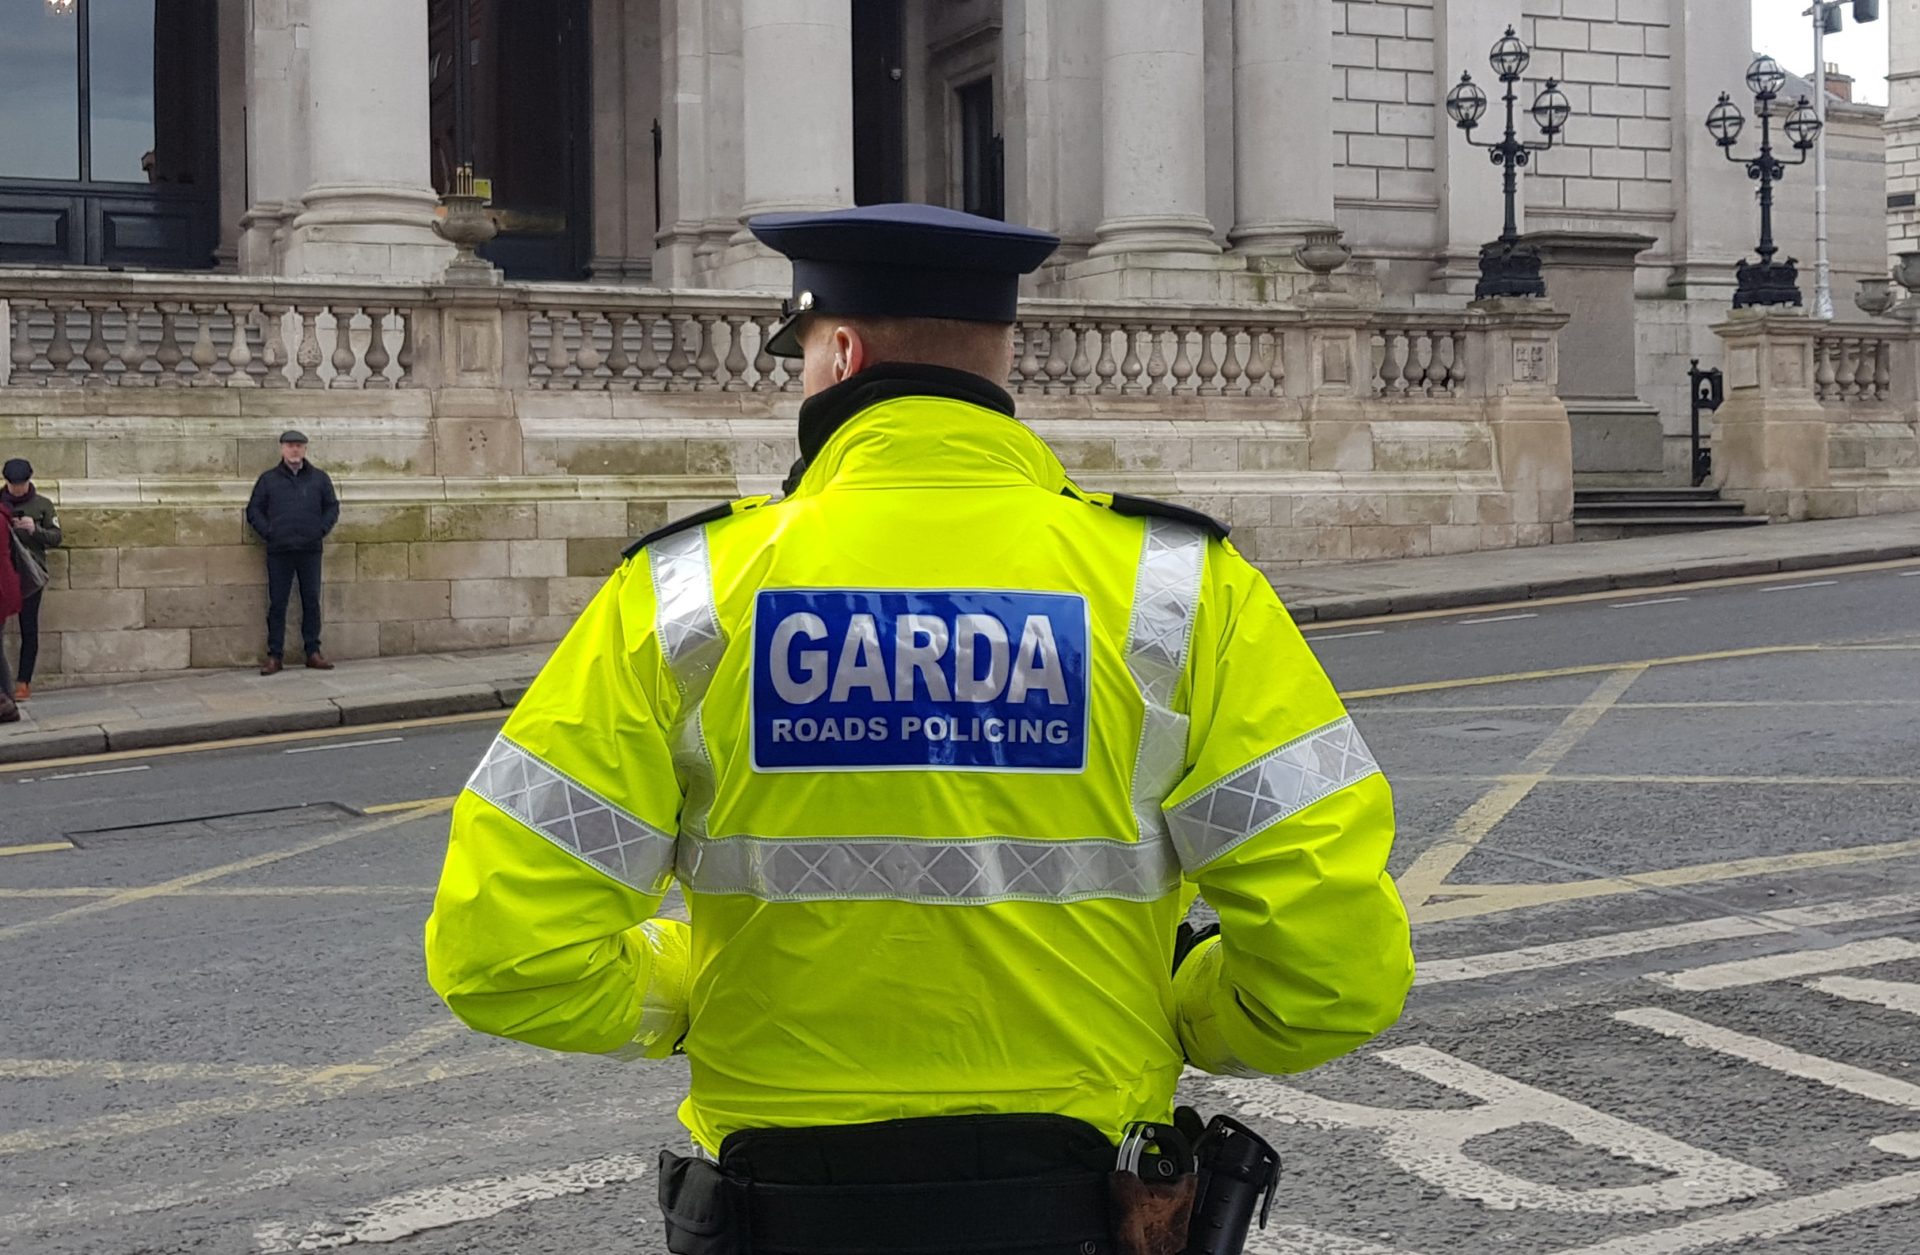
point(467, 225)
point(1322, 253)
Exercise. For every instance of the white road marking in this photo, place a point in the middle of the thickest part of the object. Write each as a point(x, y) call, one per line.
point(1894, 995)
point(1656, 601)
point(1771, 1221)
point(1785, 966)
point(1293, 1239)
point(436, 1207)
point(1788, 588)
point(343, 745)
point(81, 775)
point(1909, 575)
point(1907, 1144)
point(1347, 636)
point(1498, 618)
point(1767, 1054)
point(1668, 936)
point(1431, 1143)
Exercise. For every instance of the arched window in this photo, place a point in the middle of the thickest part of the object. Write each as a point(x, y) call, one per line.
point(108, 142)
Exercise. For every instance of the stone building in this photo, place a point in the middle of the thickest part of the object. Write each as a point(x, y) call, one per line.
point(222, 214)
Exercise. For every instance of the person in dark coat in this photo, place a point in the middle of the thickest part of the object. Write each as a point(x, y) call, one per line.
point(38, 525)
point(292, 509)
point(9, 606)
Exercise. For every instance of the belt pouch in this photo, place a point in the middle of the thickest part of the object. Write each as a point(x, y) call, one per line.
point(1150, 1217)
point(706, 1211)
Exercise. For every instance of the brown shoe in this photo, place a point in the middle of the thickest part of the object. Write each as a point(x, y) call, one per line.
point(270, 667)
point(22, 691)
point(318, 661)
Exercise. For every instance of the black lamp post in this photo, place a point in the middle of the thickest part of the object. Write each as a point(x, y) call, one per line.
point(1507, 266)
point(1766, 282)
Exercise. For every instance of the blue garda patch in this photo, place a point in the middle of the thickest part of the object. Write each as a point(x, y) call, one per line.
point(862, 680)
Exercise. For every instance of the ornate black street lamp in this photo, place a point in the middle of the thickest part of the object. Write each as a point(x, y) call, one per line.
point(1766, 282)
point(1507, 266)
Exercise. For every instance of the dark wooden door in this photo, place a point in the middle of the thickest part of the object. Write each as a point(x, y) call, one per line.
point(879, 102)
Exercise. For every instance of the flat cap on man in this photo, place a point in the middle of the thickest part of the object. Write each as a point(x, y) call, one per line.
point(900, 261)
point(293, 437)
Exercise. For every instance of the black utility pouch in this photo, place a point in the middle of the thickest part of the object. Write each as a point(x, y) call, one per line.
point(706, 1210)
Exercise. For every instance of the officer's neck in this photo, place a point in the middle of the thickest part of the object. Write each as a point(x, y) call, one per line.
point(824, 412)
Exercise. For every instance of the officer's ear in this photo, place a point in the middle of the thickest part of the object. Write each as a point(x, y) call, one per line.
point(849, 351)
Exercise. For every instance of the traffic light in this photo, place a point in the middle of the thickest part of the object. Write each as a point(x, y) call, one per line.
point(1866, 10)
point(1830, 20)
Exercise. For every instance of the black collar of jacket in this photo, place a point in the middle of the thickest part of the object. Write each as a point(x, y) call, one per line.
point(290, 473)
point(825, 412)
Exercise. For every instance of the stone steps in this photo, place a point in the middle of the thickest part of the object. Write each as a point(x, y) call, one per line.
point(1617, 513)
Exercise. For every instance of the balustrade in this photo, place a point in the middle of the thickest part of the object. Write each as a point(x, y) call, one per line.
point(204, 334)
point(1852, 366)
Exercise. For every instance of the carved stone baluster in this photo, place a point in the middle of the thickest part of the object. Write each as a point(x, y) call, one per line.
point(404, 358)
point(1108, 367)
point(1206, 373)
point(203, 356)
point(343, 359)
point(60, 353)
point(559, 359)
point(1157, 361)
point(1457, 368)
point(239, 352)
point(1027, 362)
point(707, 364)
point(1882, 369)
point(22, 354)
point(1131, 367)
point(589, 357)
point(133, 349)
point(167, 352)
point(1182, 370)
point(736, 363)
point(1057, 359)
point(763, 361)
point(1824, 374)
point(1259, 358)
point(618, 359)
point(1232, 374)
point(95, 355)
point(1080, 368)
point(1842, 369)
point(1419, 363)
point(1380, 343)
point(1440, 371)
point(647, 358)
point(306, 355)
point(679, 356)
point(376, 355)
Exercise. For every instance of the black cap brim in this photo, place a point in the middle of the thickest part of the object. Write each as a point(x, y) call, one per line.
point(784, 339)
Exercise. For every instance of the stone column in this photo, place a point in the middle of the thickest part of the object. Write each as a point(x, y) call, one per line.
point(626, 102)
point(1471, 205)
point(798, 97)
point(1770, 435)
point(1153, 128)
point(1282, 125)
point(1051, 54)
point(684, 165)
point(368, 210)
point(276, 131)
point(1714, 223)
point(1902, 127)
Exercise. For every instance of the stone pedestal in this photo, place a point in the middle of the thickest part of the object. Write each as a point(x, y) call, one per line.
point(368, 209)
point(1590, 278)
point(1770, 436)
point(1532, 441)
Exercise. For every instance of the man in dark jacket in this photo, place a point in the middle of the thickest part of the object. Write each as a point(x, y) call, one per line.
point(38, 526)
point(292, 510)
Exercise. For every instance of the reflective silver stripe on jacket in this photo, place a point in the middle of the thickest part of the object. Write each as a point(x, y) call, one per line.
point(688, 625)
point(574, 817)
point(1166, 596)
point(971, 872)
point(1268, 790)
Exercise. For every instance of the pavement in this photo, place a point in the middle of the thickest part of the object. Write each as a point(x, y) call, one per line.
point(1660, 849)
point(141, 714)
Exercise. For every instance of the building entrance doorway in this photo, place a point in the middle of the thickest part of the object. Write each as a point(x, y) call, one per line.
point(510, 97)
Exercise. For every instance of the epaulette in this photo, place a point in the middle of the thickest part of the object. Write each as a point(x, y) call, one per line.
point(1147, 507)
point(712, 514)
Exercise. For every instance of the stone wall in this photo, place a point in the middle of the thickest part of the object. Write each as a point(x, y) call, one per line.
point(492, 472)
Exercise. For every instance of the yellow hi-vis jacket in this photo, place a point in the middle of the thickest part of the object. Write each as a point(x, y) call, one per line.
point(938, 750)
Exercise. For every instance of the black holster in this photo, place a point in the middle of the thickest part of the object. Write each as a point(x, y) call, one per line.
point(1011, 1185)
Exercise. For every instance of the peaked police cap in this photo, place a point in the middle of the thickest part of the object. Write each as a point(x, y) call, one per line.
point(899, 261)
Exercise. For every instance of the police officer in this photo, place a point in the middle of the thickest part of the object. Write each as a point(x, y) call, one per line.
point(938, 748)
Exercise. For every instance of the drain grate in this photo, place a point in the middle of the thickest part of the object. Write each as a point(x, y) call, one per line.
point(275, 819)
